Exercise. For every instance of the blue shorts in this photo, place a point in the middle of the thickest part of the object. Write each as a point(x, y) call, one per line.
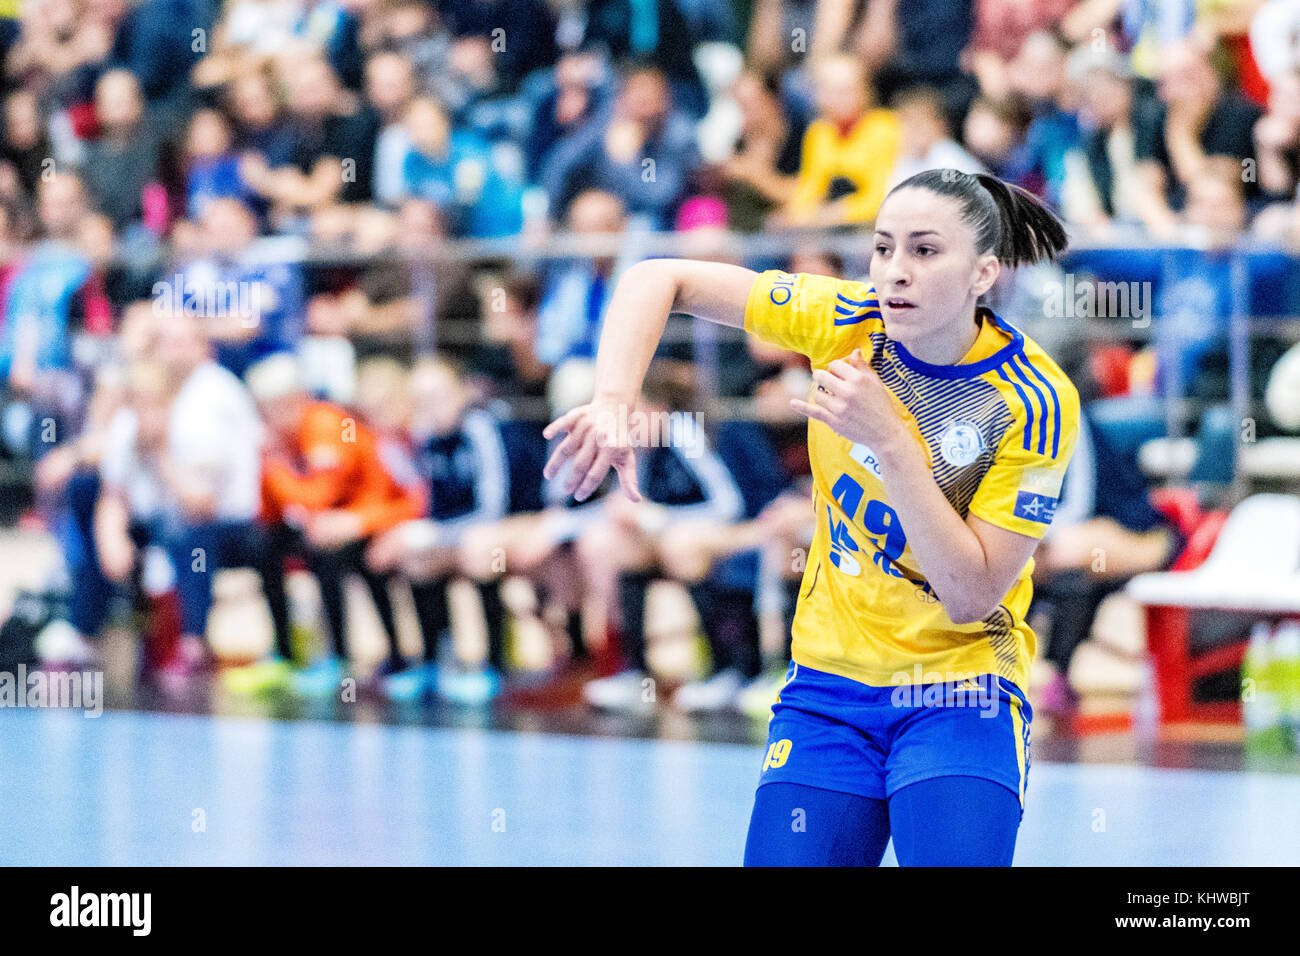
point(840, 734)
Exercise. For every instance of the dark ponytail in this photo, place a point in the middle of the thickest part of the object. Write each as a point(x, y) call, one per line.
point(1008, 221)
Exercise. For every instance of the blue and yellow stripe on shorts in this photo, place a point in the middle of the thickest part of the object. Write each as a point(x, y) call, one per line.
point(1020, 726)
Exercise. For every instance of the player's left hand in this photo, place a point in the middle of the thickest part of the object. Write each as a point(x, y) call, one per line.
point(855, 403)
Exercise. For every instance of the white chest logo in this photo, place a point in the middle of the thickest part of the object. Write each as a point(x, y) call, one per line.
point(961, 443)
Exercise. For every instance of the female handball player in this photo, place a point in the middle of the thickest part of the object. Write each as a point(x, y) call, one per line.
point(938, 436)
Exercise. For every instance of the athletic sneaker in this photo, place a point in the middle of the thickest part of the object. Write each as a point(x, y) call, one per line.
point(269, 674)
point(470, 687)
point(389, 665)
point(626, 691)
point(714, 694)
point(760, 694)
point(412, 683)
point(321, 679)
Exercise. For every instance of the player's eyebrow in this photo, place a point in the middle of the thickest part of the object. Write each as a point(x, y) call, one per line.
point(914, 234)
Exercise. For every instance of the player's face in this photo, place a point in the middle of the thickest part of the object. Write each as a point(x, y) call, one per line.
point(924, 265)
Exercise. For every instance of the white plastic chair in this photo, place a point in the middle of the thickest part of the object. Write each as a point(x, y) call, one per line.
point(1255, 563)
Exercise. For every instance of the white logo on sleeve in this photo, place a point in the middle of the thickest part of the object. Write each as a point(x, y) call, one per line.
point(961, 443)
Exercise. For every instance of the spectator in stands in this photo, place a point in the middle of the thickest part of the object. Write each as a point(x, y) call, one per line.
point(574, 297)
point(390, 85)
point(460, 457)
point(684, 480)
point(259, 124)
point(762, 173)
point(332, 146)
point(639, 149)
point(925, 139)
point(390, 306)
point(121, 167)
point(1039, 74)
point(1202, 118)
point(252, 306)
point(996, 133)
point(1272, 33)
point(334, 27)
point(26, 144)
point(60, 45)
point(568, 101)
point(456, 170)
point(1115, 176)
point(253, 31)
point(848, 151)
point(327, 492)
point(211, 164)
point(479, 98)
point(49, 299)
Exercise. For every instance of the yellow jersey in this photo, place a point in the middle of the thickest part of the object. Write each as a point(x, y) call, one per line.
point(999, 426)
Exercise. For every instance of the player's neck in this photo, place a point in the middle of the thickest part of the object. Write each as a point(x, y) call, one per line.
point(947, 345)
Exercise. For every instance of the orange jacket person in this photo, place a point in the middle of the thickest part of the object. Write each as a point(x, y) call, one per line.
point(325, 492)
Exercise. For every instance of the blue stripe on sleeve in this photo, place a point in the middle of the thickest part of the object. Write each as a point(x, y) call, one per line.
point(1056, 405)
point(1042, 403)
point(1029, 410)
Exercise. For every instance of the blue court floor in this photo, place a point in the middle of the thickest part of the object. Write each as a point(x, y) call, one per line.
point(148, 789)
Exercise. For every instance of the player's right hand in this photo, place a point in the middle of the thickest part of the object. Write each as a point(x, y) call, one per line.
point(596, 437)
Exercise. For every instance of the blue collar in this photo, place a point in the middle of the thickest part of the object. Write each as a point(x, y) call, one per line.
point(968, 369)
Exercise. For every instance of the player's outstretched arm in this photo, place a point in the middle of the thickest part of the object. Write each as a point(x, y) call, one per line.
point(596, 433)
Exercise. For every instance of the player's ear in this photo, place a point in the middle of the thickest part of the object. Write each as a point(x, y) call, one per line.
point(987, 269)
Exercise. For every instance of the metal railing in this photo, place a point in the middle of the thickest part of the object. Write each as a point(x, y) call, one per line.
point(534, 252)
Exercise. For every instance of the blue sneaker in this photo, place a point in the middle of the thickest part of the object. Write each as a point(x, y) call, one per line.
point(471, 687)
point(387, 667)
point(321, 679)
point(412, 683)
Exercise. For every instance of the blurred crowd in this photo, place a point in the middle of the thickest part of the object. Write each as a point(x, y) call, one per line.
point(221, 347)
point(325, 119)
